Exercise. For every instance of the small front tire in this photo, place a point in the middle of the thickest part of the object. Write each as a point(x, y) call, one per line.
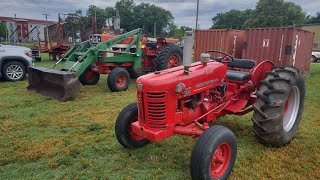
point(89, 76)
point(123, 128)
point(118, 80)
point(214, 154)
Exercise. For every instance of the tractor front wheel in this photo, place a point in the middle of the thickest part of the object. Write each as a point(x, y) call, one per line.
point(279, 106)
point(214, 154)
point(168, 57)
point(123, 130)
point(118, 80)
point(89, 77)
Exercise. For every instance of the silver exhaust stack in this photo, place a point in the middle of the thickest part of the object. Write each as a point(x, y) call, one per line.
point(187, 50)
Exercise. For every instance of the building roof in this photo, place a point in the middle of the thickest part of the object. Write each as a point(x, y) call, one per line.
point(32, 21)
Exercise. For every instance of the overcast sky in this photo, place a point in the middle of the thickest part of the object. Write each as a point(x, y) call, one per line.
point(184, 11)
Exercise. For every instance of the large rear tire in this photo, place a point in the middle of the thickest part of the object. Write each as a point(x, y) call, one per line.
point(89, 77)
point(134, 74)
point(118, 80)
point(123, 130)
point(214, 154)
point(168, 57)
point(279, 106)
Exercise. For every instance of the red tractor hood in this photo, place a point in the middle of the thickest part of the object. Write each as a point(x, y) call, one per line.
point(200, 77)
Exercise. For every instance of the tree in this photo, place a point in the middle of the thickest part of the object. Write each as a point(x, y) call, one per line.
point(275, 13)
point(314, 19)
point(147, 15)
point(268, 13)
point(233, 19)
point(294, 14)
point(101, 15)
point(125, 9)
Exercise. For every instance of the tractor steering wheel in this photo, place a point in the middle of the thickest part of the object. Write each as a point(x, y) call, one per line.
point(224, 59)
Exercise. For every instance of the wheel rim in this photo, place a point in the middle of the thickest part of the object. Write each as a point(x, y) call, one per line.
point(90, 75)
point(133, 135)
point(220, 160)
point(14, 72)
point(291, 109)
point(174, 61)
point(121, 80)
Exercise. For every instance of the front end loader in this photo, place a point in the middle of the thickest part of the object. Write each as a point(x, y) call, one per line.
point(120, 56)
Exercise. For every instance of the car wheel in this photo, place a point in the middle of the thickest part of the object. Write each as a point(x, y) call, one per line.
point(14, 71)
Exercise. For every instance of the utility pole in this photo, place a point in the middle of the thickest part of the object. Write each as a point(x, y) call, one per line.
point(197, 18)
point(15, 16)
point(46, 15)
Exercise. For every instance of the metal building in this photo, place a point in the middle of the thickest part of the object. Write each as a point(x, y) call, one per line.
point(315, 28)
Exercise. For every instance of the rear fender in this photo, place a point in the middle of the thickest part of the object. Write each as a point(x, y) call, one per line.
point(259, 72)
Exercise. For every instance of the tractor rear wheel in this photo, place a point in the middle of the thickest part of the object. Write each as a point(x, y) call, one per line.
point(279, 106)
point(168, 57)
point(123, 130)
point(214, 154)
point(118, 80)
point(134, 74)
point(89, 77)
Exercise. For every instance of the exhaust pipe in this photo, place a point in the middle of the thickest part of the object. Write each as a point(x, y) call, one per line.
point(187, 50)
point(116, 25)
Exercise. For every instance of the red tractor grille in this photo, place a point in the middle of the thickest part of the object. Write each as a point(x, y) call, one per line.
point(156, 109)
point(140, 107)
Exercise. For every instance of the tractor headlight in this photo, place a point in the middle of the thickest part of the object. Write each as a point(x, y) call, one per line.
point(180, 87)
point(139, 86)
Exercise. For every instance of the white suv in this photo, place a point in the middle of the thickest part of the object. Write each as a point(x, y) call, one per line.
point(315, 56)
point(14, 61)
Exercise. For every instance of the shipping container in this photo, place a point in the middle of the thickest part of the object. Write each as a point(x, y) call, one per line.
point(225, 40)
point(282, 46)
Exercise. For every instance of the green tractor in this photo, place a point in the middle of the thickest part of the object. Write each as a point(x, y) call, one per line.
point(121, 56)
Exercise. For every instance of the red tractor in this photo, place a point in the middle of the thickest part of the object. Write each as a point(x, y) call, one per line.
point(184, 100)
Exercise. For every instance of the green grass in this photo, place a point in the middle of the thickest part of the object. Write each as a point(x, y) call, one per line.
point(41, 138)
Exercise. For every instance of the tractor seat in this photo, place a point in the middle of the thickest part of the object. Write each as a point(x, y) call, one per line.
point(238, 76)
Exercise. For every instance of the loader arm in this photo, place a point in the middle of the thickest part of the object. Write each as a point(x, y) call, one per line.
point(79, 59)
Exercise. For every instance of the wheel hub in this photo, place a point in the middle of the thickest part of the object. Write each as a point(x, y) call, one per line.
point(220, 160)
point(121, 80)
point(90, 75)
point(14, 72)
point(173, 61)
point(291, 109)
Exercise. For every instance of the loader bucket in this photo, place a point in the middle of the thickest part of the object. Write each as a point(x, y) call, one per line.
point(60, 85)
